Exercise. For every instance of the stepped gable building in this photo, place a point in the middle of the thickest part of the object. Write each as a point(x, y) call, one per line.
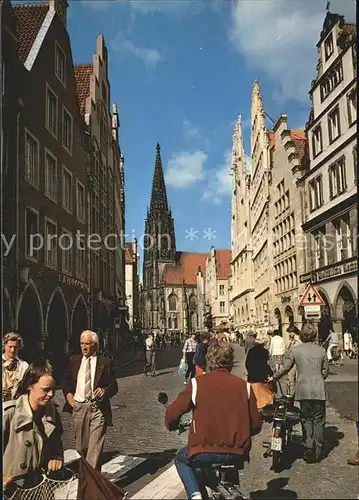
point(169, 294)
point(45, 290)
point(241, 281)
point(330, 183)
point(106, 198)
point(288, 157)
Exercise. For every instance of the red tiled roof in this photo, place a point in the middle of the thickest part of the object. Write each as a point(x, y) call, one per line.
point(223, 261)
point(186, 268)
point(350, 29)
point(271, 138)
point(83, 73)
point(300, 141)
point(29, 21)
point(129, 254)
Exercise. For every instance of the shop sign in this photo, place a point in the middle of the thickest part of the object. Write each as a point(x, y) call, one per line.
point(68, 280)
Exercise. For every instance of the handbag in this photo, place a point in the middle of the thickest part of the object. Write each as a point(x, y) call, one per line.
point(182, 369)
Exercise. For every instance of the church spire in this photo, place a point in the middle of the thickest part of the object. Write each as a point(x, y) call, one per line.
point(158, 195)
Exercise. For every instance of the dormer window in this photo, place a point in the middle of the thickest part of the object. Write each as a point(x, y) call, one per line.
point(328, 46)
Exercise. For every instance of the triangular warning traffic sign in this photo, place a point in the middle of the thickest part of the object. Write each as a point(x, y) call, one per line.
point(311, 297)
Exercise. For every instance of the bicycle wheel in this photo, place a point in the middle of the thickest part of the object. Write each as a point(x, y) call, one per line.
point(339, 361)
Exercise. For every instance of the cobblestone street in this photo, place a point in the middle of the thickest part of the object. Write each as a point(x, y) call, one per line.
point(139, 431)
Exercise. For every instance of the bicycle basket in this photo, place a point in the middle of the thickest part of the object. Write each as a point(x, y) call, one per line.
point(48, 489)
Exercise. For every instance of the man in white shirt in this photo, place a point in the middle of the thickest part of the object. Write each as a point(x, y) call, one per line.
point(88, 385)
point(276, 349)
point(150, 347)
point(332, 341)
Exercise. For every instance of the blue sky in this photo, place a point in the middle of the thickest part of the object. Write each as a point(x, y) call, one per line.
point(181, 72)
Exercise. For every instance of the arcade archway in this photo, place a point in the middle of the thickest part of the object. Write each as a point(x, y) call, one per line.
point(345, 309)
point(6, 322)
point(278, 317)
point(57, 330)
point(79, 323)
point(30, 324)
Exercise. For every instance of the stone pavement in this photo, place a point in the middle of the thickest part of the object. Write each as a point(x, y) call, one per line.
point(139, 431)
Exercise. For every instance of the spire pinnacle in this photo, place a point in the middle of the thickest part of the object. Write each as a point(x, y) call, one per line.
point(158, 195)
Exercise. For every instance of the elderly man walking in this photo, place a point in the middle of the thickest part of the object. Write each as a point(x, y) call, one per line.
point(88, 385)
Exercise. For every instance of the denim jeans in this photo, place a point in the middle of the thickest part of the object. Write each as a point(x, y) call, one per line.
point(186, 466)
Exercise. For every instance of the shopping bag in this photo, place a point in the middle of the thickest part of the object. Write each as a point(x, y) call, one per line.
point(182, 367)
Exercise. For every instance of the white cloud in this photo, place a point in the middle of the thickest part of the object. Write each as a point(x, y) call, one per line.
point(279, 36)
point(220, 182)
point(185, 169)
point(190, 131)
point(151, 57)
point(177, 7)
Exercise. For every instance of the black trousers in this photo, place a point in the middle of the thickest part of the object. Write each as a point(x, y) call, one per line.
point(313, 423)
point(191, 370)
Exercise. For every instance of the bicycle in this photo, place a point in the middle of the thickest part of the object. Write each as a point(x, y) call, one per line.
point(337, 356)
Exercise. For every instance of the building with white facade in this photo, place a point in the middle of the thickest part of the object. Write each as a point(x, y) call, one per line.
point(330, 183)
point(217, 285)
point(261, 237)
point(132, 283)
point(287, 157)
point(241, 285)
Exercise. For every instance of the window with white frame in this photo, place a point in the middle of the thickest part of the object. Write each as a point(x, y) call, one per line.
point(221, 289)
point(31, 159)
point(80, 201)
point(81, 259)
point(338, 239)
point(67, 130)
point(31, 229)
point(66, 190)
point(316, 193)
point(51, 111)
point(50, 243)
point(50, 176)
point(66, 245)
point(332, 79)
point(60, 64)
point(337, 180)
point(352, 106)
point(320, 251)
point(347, 237)
point(317, 141)
point(334, 124)
point(222, 307)
point(328, 46)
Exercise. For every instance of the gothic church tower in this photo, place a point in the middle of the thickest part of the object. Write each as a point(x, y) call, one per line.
point(159, 244)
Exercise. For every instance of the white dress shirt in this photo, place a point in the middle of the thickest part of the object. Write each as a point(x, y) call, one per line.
point(80, 387)
point(20, 372)
point(277, 346)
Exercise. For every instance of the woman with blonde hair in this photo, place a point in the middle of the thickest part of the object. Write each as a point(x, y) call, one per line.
point(13, 368)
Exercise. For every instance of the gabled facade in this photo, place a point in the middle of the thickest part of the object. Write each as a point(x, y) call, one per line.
point(241, 285)
point(106, 197)
point(330, 183)
point(288, 158)
point(47, 280)
point(132, 284)
point(217, 285)
point(259, 213)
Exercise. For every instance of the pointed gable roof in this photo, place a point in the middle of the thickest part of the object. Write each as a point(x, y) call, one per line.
point(29, 21)
point(83, 74)
point(158, 194)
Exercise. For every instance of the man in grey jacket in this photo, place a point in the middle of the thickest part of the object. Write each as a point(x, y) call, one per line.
point(312, 370)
